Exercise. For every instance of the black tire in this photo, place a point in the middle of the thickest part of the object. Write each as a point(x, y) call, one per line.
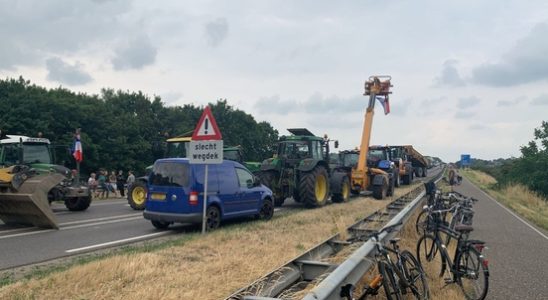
point(344, 195)
point(421, 223)
point(270, 180)
point(430, 257)
point(473, 276)
point(418, 172)
point(407, 179)
point(391, 288)
point(314, 187)
point(424, 172)
point(137, 195)
point(213, 218)
point(391, 187)
point(415, 275)
point(380, 191)
point(160, 224)
point(267, 210)
point(77, 203)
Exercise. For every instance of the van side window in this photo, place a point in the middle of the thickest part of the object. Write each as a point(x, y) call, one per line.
point(244, 177)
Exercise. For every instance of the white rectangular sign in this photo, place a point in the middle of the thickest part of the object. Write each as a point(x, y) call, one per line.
point(206, 152)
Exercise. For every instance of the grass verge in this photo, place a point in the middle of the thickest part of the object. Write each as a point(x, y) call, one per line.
point(517, 197)
point(196, 267)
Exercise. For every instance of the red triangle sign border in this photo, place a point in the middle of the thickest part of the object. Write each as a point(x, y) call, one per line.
point(216, 136)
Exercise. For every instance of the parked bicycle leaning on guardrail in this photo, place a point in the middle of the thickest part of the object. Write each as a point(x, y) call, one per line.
point(402, 276)
point(469, 268)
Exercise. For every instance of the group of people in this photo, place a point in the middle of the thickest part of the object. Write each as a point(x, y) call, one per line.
point(106, 183)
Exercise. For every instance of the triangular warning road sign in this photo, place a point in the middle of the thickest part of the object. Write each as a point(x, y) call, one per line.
point(207, 129)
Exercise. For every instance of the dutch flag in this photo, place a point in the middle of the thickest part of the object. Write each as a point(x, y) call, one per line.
point(384, 102)
point(78, 154)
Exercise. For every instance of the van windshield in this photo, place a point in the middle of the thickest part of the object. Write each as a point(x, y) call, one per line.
point(170, 174)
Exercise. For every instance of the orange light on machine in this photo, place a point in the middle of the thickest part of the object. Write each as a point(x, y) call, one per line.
point(193, 198)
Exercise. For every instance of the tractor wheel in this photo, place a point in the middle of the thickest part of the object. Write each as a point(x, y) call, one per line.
point(77, 203)
point(419, 172)
point(407, 179)
point(314, 187)
point(137, 195)
point(345, 191)
point(270, 179)
point(391, 187)
point(424, 172)
point(380, 191)
point(397, 182)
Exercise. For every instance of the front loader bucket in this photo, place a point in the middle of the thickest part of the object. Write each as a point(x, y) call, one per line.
point(29, 205)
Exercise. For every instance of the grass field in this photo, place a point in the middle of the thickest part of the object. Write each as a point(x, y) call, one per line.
point(197, 267)
point(516, 197)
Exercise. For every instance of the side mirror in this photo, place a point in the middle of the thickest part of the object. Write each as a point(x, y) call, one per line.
point(256, 181)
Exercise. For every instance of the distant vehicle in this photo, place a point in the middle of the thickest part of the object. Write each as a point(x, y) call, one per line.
point(176, 189)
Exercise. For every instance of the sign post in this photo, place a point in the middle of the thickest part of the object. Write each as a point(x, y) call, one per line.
point(206, 147)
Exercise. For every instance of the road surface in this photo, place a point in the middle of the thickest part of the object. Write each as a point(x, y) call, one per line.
point(518, 251)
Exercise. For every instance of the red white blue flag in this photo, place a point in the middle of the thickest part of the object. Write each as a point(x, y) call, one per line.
point(78, 154)
point(384, 102)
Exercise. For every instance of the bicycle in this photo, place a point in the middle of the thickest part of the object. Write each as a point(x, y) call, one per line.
point(469, 268)
point(397, 277)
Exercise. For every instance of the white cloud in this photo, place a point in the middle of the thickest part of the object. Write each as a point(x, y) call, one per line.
point(62, 72)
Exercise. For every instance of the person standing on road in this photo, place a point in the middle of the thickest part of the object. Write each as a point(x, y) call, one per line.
point(102, 182)
point(112, 180)
point(120, 180)
point(130, 180)
point(92, 185)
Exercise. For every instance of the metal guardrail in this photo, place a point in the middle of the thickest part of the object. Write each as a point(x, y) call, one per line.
point(299, 272)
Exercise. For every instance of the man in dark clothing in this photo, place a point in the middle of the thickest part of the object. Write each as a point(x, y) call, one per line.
point(120, 181)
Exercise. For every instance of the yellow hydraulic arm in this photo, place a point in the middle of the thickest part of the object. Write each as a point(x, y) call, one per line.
point(375, 86)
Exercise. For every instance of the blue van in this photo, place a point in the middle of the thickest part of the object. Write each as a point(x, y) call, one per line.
point(176, 190)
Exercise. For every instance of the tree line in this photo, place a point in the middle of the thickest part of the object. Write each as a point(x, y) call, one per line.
point(530, 169)
point(120, 129)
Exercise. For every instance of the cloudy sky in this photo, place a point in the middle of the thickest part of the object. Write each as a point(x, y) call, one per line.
point(469, 76)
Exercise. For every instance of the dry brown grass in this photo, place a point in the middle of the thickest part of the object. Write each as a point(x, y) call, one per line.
point(209, 267)
point(517, 197)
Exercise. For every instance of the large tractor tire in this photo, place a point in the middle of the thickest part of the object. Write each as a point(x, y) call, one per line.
point(391, 187)
point(314, 187)
point(137, 195)
point(408, 178)
point(397, 181)
point(78, 203)
point(418, 172)
point(380, 191)
point(344, 195)
point(424, 172)
point(270, 179)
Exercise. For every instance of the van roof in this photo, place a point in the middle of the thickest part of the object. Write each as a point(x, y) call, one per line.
point(186, 161)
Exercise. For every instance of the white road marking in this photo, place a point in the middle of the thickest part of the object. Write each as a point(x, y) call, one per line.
point(17, 230)
point(102, 223)
point(100, 219)
point(72, 227)
point(26, 233)
point(511, 212)
point(118, 241)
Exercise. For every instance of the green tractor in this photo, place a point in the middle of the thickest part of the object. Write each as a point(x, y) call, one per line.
point(301, 170)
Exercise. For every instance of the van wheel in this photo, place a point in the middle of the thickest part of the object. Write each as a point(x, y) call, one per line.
point(267, 210)
point(160, 224)
point(213, 220)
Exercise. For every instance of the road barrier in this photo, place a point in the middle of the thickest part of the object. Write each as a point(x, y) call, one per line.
point(311, 266)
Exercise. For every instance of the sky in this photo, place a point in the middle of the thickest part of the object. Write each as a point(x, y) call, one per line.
point(470, 77)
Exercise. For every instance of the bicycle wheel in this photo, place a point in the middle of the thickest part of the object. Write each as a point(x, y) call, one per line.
point(415, 276)
point(430, 256)
point(422, 223)
point(391, 288)
point(472, 274)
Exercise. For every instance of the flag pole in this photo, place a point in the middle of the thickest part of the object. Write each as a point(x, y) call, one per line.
point(77, 181)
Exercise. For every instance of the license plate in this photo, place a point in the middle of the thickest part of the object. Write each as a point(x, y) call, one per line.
point(158, 196)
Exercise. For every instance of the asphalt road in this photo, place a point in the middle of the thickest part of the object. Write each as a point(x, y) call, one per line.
point(518, 251)
point(105, 224)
